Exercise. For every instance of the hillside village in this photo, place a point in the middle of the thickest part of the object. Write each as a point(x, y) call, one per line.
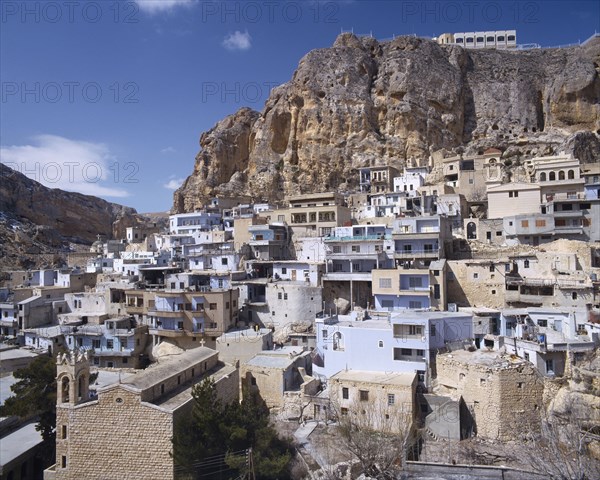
point(462, 291)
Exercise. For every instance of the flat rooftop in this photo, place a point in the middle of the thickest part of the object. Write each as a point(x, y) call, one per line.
point(19, 442)
point(246, 334)
point(484, 358)
point(403, 379)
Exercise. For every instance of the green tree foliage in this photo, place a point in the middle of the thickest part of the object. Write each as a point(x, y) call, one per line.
point(35, 395)
point(212, 443)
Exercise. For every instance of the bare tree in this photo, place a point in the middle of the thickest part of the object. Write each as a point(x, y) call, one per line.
point(378, 435)
point(561, 448)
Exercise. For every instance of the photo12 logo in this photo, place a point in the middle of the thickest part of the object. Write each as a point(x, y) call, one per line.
point(27, 11)
point(75, 172)
point(270, 12)
point(69, 92)
point(236, 92)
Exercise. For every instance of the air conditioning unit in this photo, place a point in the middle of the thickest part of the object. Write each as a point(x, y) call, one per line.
point(452, 307)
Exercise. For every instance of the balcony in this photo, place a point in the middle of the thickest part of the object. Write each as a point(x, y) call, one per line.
point(424, 291)
point(166, 313)
point(358, 238)
point(347, 276)
point(417, 254)
point(416, 235)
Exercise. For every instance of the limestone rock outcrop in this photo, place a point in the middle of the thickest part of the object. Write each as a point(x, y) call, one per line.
point(363, 102)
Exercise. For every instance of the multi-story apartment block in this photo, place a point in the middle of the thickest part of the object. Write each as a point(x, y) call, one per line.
point(377, 179)
point(315, 214)
point(116, 343)
point(546, 337)
point(404, 341)
point(415, 287)
point(418, 238)
point(411, 180)
point(269, 242)
point(189, 223)
point(351, 254)
point(513, 199)
point(192, 316)
point(140, 233)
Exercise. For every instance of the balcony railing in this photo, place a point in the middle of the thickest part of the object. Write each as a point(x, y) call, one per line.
point(358, 238)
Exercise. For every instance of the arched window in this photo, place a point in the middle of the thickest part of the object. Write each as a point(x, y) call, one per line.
point(81, 386)
point(571, 175)
point(338, 341)
point(552, 176)
point(64, 389)
point(561, 175)
point(543, 177)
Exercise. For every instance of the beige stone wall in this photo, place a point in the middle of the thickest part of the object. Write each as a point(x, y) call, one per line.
point(487, 290)
point(111, 440)
point(375, 411)
point(503, 401)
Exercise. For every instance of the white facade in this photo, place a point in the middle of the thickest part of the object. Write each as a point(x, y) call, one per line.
point(410, 180)
point(188, 223)
point(405, 343)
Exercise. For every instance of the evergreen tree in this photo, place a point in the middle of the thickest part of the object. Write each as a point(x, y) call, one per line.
point(212, 443)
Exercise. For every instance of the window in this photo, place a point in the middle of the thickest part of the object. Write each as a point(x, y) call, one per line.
point(420, 353)
point(415, 330)
point(436, 273)
point(414, 304)
point(63, 432)
point(526, 263)
point(475, 275)
point(415, 282)
point(223, 261)
point(212, 306)
point(574, 295)
point(552, 176)
point(380, 344)
point(284, 270)
point(285, 296)
point(432, 331)
point(95, 343)
point(279, 296)
point(345, 393)
point(344, 411)
point(492, 268)
point(324, 334)
point(337, 249)
point(109, 344)
point(513, 193)
point(550, 366)
point(363, 395)
point(542, 323)
point(63, 461)
point(356, 248)
point(543, 177)
point(525, 223)
point(391, 399)
point(407, 352)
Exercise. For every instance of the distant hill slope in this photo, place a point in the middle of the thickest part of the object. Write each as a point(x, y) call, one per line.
point(39, 225)
point(363, 102)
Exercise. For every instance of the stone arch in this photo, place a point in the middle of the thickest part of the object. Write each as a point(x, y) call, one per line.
point(571, 175)
point(561, 175)
point(64, 389)
point(543, 177)
point(552, 176)
point(471, 231)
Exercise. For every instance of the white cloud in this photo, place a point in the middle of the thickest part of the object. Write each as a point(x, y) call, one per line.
point(237, 41)
point(174, 183)
point(72, 165)
point(168, 150)
point(161, 6)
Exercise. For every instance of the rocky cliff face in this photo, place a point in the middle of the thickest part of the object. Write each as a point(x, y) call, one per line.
point(38, 224)
point(363, 103)
point(74, 216)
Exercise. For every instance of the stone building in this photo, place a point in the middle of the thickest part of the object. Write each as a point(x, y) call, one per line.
point(126, 432)
point(503, 393)
point(385, 399)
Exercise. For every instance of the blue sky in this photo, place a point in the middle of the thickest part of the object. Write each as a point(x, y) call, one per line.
point(110, 97)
